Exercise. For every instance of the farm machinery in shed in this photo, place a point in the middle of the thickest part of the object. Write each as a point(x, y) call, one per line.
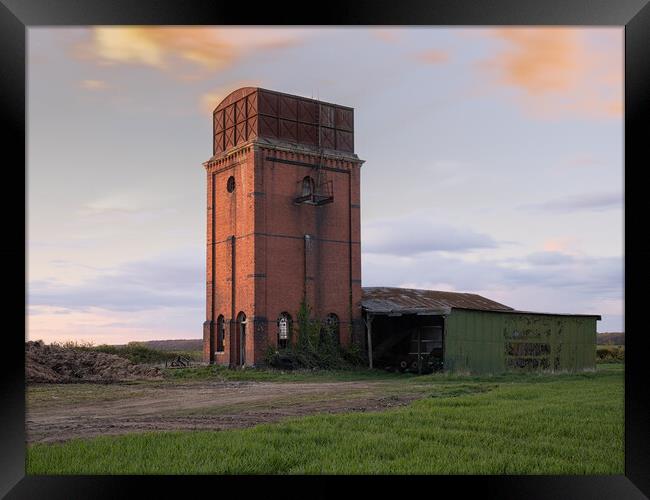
point(419, 351)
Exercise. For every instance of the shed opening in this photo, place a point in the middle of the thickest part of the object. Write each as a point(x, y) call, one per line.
point(408, 343)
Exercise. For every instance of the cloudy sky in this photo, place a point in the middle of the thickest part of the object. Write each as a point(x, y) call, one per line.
point(494, 164)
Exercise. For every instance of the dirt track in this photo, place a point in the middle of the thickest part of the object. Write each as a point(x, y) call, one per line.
point(58, 412)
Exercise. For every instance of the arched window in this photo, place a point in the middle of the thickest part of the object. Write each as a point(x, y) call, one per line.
point(230, 185)
point(221, 333)
point(284, 326)
point(241, 324)
point(308, 186)
point(332, 327)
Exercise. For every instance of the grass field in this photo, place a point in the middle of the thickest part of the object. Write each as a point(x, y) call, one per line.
point(139, 352)
point(272, 375)
point(508, 424)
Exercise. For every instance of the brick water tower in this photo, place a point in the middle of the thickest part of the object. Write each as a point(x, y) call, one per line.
point(283, 223)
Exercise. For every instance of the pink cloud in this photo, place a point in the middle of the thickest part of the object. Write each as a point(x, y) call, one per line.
point(432, 56)
point(211, 99)
point(560, 72)
point(386, 35)
point(93, 85)
point(561, 245)
point(164, 48)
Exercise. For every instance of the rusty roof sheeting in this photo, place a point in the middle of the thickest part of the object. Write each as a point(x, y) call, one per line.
point(391, 300)
point(408, 300)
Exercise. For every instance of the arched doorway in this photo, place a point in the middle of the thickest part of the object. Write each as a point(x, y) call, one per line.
point(221, 333)
point(241, 326)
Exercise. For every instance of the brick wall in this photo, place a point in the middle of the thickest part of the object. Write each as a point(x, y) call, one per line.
point(274, 266)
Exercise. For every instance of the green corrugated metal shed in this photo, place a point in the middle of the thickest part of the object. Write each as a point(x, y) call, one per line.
point(483, 336)
point(495, 342)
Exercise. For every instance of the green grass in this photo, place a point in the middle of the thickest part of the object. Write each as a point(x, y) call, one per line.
point(136, 352)
point(139, 353)
point(272, 375)
point(509, 424)
point(222, 373)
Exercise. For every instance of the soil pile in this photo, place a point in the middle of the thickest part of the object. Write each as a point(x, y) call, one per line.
point(54, 364)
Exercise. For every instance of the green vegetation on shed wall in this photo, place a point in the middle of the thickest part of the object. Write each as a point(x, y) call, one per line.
point(492, 342)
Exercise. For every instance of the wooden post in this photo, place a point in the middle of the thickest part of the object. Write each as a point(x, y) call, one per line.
point(369, 326)
point(444, 335)
point(419, 353)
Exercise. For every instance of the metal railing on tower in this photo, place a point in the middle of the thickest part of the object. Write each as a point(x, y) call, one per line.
point(316, 189)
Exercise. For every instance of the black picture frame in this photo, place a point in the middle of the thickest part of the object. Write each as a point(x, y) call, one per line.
point(17, 15)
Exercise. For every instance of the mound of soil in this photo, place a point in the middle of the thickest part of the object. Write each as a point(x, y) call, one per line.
point(54, 364)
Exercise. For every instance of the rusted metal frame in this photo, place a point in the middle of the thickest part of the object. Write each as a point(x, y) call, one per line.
point(300, 98)
point(246, 131)
point(232, 99)
point(297, 120)
point(314, 198)
point(214, 132)
point(302, 199)
point(324, 198)
point(236, 138)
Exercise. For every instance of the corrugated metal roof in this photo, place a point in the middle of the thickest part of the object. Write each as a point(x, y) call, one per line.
point(390, 300)
point(539, 313)
point(408, 300)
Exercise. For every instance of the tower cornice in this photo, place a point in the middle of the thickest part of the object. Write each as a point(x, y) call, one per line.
point(259, 144)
